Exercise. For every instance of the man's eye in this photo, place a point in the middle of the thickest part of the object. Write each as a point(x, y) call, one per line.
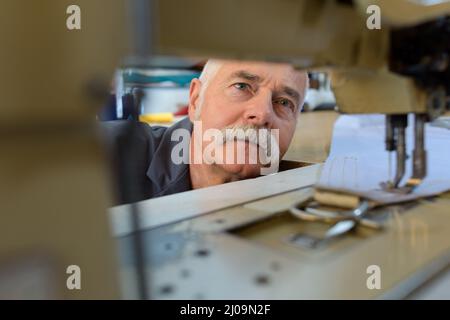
point(241, 86)
point(286, 103)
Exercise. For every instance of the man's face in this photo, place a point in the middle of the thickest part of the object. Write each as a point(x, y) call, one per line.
point(257, 94)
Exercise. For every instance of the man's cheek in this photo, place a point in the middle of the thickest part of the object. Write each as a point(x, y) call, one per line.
point(286, 139)
point(283, 145)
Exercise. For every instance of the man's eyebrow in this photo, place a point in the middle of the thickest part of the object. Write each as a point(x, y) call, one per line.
point(292, 93)
point(246, 75)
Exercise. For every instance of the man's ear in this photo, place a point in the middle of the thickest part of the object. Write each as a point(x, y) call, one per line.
point(194, 94)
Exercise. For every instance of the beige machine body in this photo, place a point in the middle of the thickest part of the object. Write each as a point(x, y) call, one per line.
point(373, 69)
point(54, 186)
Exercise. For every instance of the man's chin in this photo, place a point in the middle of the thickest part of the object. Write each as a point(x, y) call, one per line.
point(247, 167)
point(241, 171)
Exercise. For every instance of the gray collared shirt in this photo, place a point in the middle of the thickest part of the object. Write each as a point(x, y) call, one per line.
point(143, 167)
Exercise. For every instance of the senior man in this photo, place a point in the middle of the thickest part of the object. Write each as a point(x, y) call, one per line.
point(229, 96)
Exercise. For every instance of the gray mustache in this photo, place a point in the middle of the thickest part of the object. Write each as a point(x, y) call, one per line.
point(248, 133)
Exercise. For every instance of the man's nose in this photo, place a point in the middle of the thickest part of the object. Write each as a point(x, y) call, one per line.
point(260, 110)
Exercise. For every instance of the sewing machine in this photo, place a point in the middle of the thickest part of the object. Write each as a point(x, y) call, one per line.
point(221, 243)
point(225, 244)
point(400, 68)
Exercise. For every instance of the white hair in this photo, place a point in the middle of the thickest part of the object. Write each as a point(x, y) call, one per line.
point(209, 71)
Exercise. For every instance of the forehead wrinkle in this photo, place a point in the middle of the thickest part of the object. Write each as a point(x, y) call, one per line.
point(246, 75)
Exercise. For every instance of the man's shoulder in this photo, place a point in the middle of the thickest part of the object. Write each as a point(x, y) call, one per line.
point(120, 128)
point(146, 151)
point(151, 145)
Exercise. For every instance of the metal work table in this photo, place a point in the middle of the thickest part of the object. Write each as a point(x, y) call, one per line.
point(232, 242)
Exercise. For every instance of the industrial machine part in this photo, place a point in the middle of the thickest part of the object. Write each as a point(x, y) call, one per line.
point(249, 246)
point(401, 68)
point(54, 183)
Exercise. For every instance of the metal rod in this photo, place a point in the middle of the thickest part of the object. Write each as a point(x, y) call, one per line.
point(390, 141)
point(419, 153)
point(401, 156)
point(142, 24)
point(137, 240)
